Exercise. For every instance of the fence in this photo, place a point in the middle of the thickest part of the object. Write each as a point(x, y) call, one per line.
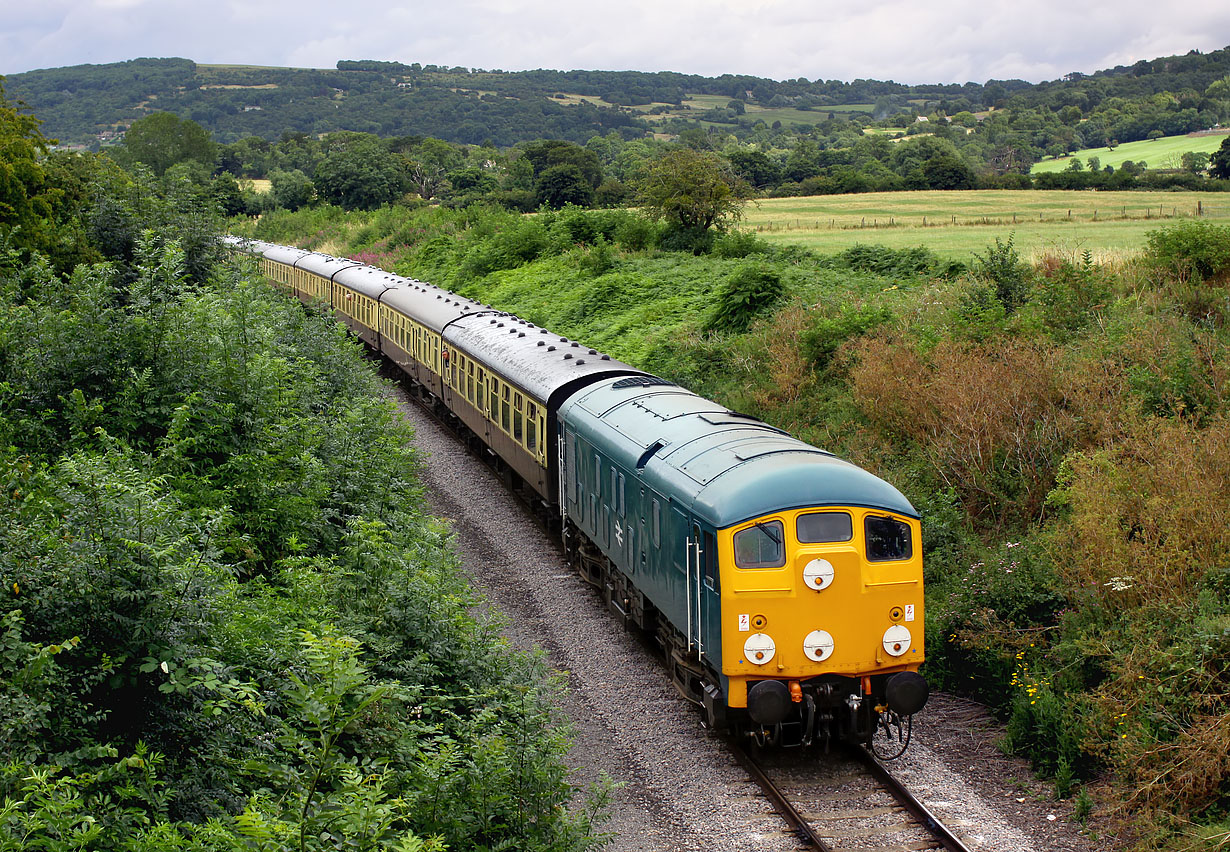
point(851, 223)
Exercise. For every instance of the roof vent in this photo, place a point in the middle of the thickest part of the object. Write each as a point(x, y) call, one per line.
point(580, 361)
point(640, 382)
point(606, 357)
point(593, 352)
point(568, 356)
point(522, 334)
point(550, 348)
point(541, 343)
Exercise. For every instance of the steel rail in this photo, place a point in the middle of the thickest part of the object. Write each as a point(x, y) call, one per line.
point(802, 828)
point(907, 800)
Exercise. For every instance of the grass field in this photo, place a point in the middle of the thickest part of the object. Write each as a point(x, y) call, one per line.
point(1111, 225)
point(1164, 153)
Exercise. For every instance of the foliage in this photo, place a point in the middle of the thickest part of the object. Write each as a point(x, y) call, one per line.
point(212, 539)
point(751, 290)
point(359, 174)
point(1001, 267)
point(162, 139)
point(1191, 248)
point(691, 190)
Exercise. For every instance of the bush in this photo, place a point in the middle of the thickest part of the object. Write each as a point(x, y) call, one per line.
point(882, 260)
point(826, 333)
point(749, 292)
point(1191, 248)
point(1002, 268)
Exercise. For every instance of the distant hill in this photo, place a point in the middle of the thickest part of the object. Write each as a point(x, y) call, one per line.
point(81, 104)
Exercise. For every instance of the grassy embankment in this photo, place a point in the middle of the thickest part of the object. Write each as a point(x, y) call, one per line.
point(1110, 225)
point(1064, 428)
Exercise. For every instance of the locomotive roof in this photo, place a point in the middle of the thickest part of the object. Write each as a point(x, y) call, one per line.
point(542, 363)
point(727, 467)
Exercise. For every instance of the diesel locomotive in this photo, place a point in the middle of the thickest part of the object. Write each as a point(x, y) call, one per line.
point(783, 584)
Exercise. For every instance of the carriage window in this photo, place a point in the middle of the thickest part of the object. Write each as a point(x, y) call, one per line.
point(622, 506)
point(888, 539)
point(517, 430)
point(657, 524)
point(819, 527)
point(761, 546)
point(531, 434)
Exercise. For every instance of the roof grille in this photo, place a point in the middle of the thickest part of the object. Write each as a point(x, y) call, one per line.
point(639, 382)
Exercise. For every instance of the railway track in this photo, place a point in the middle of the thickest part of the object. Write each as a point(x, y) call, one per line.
point(846, 802)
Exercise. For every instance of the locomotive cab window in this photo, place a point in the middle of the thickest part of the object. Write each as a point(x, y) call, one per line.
point(888, 540)
point(823, 527)
point(761, 545)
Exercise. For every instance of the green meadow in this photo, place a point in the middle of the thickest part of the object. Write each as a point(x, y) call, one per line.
point(1163, 153)
point(1110, 225)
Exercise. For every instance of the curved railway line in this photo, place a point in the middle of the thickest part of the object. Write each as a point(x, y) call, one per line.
point(830, 805)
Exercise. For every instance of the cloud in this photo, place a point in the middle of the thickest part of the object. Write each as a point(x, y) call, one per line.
point(903, 40)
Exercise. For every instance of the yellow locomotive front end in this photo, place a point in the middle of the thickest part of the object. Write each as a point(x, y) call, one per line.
point(822, 614)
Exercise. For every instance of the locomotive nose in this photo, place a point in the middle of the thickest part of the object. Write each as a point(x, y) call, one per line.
point(907, 693)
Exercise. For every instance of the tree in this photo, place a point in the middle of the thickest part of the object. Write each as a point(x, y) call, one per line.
point(360, 174)
point(755, 167)
point(564, 184)
point(291, 190)
point(428, 165)
point(25, 198)
point(555, 152)
point(692, 190)
point(944, 171)
point(1219, 163)
point(162, 139)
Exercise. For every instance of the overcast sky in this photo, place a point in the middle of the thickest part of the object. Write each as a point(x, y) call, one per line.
point(910, 41)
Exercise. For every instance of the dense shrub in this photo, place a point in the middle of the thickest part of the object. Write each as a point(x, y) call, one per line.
point(1191, 248)
point(989, 418)
point(750, 291)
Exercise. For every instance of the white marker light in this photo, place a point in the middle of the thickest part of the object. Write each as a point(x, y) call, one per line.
point(759, 648)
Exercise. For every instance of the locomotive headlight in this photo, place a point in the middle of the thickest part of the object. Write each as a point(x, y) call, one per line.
point(897, 640)
point(818, 573)
point(759, 648)
point(818, 645)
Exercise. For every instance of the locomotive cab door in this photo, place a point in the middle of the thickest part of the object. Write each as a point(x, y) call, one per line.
point(704, 602)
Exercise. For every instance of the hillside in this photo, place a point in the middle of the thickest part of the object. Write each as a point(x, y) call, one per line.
point(83, 105)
